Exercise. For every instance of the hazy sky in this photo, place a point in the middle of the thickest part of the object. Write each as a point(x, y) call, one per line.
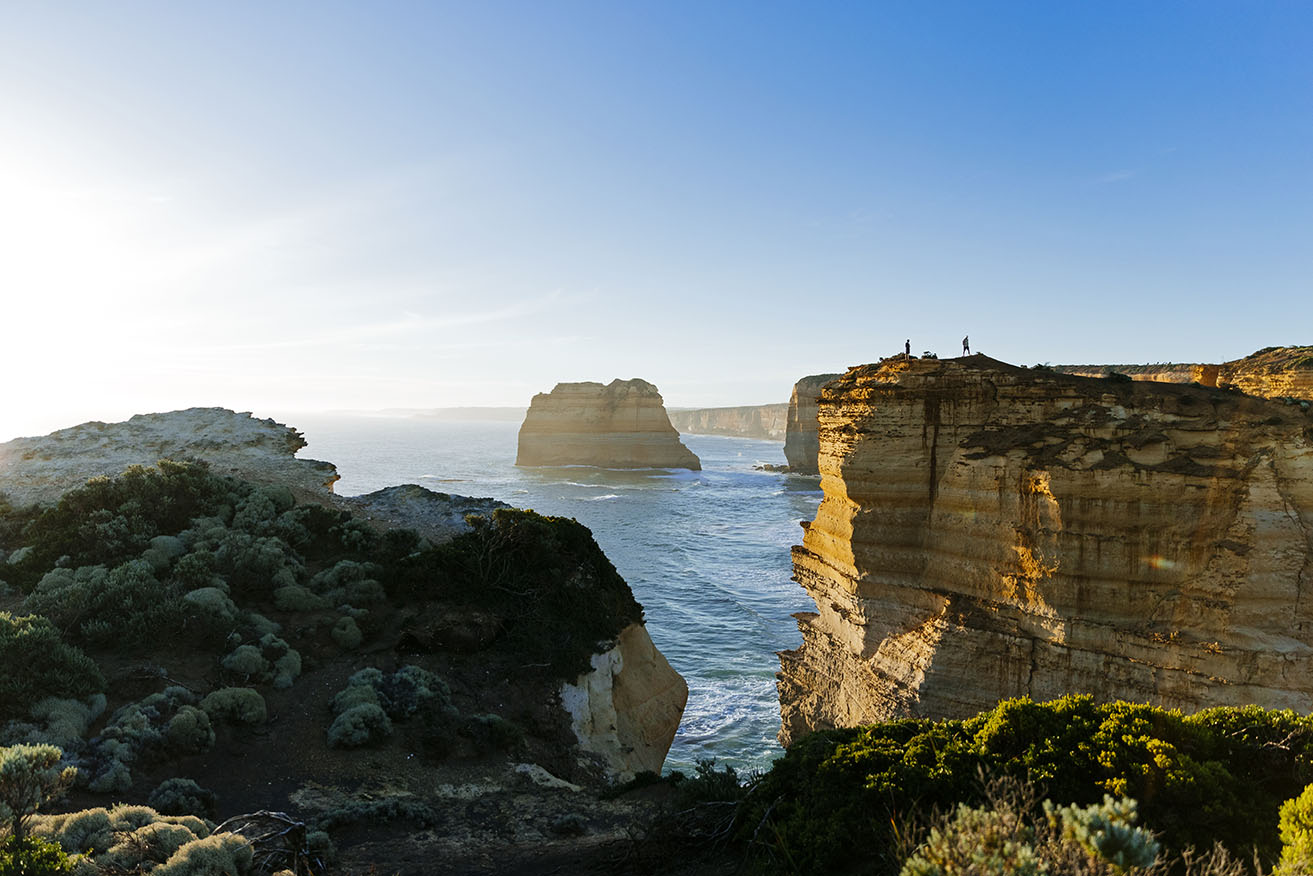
point(295, 206)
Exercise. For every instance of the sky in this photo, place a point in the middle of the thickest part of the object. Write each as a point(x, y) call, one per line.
point(297, 206)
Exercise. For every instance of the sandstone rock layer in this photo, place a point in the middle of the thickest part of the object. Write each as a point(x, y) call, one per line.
point(800, 442)
point(990, 531)
point(620, 425)
point(1273, 372)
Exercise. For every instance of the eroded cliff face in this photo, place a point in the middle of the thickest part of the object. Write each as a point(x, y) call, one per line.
point(622, 424)
point(800, 442)
point(1273, 372)
point(990, 531)
point(763, 422)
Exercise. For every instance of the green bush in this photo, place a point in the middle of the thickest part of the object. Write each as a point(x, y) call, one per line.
point(492, 733)
point(30, 777)
point(110, 520)
point(358, 726)
point(236, 705)
point(161, 725)
point(51, 667)
point(124, 607)
point(1296, 826)
point(220, 853)
point(180, 796)
point(558, 596)
point(32, 856)
point(1219, 775)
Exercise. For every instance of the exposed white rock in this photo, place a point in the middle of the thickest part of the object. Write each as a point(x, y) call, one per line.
point(626, 709)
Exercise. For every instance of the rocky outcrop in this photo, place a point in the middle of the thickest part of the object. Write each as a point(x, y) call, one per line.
point(989, 531)
point(626, 709)
point(1274, 372)
point(763, 422)
point(800, 442)
point(620, 425)
point(42, 469)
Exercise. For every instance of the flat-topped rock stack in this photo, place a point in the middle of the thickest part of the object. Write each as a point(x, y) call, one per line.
point(989, 531)
point(622, 424)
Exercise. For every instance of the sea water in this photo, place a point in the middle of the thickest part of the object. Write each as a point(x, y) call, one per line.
point(706, 553)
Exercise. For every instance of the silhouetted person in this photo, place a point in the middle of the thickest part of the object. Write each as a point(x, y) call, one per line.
point(966, 346)
point(907, 348)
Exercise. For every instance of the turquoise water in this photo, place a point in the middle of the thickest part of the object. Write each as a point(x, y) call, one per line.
point(706, 553)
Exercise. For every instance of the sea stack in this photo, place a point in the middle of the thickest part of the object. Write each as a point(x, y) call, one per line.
point(989, 531)
point(800, 441)
point(622, 424)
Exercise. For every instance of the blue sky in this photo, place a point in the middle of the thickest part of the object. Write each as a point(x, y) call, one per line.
point(298, 206)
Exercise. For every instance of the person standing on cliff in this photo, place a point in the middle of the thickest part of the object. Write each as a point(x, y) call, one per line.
point(907, 348)
point(966, 345)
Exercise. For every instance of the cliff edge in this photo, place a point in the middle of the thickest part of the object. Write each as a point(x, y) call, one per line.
point(989, 531)
point(761, 422)
point(800, 441)
point(622, 424)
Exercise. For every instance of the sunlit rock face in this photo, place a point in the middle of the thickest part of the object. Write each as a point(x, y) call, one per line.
point(1273, 372)
point(800, 441)
point(625, 710)
point(42, 469)
point(763, 422)
point(622, 424)
point(990, 531)
point(1276, 372)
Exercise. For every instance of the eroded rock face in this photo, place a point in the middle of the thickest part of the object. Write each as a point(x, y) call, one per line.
point(42, 469)
point(800, 442)
point(763, 422)
point(626, 709)
point(1276, 372)
point(620, 425)
point(990, 531)
point(1273, 372)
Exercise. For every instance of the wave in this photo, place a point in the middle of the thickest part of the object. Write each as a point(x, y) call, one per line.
point(601, 498)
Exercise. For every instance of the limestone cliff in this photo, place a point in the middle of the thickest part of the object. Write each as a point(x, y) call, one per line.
point(800, 442)
point(763, 422)
point(1273, 372)
point(620, 425)
point(990, 531)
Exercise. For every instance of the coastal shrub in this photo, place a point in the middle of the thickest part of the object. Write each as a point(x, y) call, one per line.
point(235, 705)
point(346, 633)
point(165, 724)
point(558, 596)
point(210, 608)
point(358, 726)
point(272, 660)
point(1106, 830)
point(1296, 827)
point(1218, 775)
point(294, 597)
point(30, 777)
point(256, 565)
point(124, 607)
point(110, 520)
point(32, 856)
point(492, 733)
point(55, 721)
point(122, 839)
point(225, 853)
point(50, 666)
point(387, 809)
point(181, 796)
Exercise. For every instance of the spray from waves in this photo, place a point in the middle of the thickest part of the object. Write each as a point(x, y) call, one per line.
point(602, 498)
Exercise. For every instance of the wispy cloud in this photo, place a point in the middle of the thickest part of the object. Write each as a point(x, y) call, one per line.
point(1116, 176)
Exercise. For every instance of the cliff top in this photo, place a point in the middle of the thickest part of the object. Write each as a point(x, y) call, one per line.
point(41, 469)
point(617, 388)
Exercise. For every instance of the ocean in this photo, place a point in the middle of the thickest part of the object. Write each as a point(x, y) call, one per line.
point(706, 553)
